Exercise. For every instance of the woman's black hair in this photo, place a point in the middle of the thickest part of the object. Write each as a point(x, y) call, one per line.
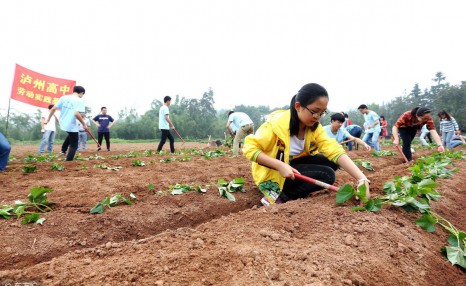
point(338, 116)
point(443, 112)
point(306, 95)
point(420, 111)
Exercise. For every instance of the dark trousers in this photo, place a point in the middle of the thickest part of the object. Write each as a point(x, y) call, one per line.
point(101, 135)
point(356, 132)
point(429, 137)
point(71, 141)
point(317, 167)
point(166, 134)
point(407, 135)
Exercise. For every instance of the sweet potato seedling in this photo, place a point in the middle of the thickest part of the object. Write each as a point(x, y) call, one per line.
point(111, 202)
point(57, 167)
point(138, 163)
point(365, 164)
point(414, 194)
point(226, 189)
point(29, 168)
point(30, 211)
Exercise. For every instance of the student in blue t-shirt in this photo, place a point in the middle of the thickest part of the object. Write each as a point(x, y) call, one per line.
point(335, 130)
point(104, 122)
point(239, 125)
point(70, 107)
point(371, 126)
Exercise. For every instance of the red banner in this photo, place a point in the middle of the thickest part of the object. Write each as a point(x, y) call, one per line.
point(37, 89)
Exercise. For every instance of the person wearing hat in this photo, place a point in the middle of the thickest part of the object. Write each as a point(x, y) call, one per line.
point(407, 126)
point(239, 125)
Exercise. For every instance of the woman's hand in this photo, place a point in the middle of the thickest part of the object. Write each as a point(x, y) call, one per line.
point(286, 171)
point(396, 141)
point(367, 147)
point(441, 149)
point(366, 183)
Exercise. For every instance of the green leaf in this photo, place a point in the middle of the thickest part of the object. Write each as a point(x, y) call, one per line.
point(19, 210)
point(5, 211)
point(345, 193)
point(373, 205)
point(238, 181)
point(126, 201)
point(106, 201)
point(114, 200)
point(150, 187)
point(427, 222)
point(358, 208)
point(98, 209)
point(221, 182)
point(456, 256)
point(457, 240)
point(37, 195)
point(200, 190)
point(361, 193)
point(30, 218)
point(230, 196)
point(427, 183)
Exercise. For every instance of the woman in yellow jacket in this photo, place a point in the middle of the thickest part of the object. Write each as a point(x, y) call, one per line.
point(294, 141)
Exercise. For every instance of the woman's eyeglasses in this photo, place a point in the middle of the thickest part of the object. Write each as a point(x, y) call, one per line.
point(316, 115)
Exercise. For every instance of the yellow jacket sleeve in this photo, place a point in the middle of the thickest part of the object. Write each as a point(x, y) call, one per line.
point(263, 140)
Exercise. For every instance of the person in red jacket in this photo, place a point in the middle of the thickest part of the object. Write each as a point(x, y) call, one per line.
point(407, 126)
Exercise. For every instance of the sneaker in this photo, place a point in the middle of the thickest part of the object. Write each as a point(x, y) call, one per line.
point(108, 150)
point(98, 149)
point(266, 202)
point(61, 153)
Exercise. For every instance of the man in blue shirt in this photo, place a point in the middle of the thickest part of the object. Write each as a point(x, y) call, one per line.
point(70, 107)
point(104, 122)
point(371, 126)
point(335, 130)
point(239, 125)
point(165, 124)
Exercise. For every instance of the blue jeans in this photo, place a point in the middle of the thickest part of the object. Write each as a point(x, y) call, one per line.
point(5, 149)
point(373, 136)
point(47, 138)
point(82, 140)
point(447, 138)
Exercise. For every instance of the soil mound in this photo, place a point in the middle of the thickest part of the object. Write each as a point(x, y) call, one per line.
point(204, 239)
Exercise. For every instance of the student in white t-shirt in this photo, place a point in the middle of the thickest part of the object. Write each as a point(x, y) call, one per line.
point(165, 124)
point(49, 131)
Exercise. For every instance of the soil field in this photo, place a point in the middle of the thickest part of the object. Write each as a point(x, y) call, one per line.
point(204, 239)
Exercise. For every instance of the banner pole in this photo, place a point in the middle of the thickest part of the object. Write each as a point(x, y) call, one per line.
point(7, 118)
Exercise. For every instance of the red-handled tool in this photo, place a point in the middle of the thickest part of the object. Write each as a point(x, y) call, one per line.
point(398, 147)
point(178, 135)
point(92, 136)
point(316, 182)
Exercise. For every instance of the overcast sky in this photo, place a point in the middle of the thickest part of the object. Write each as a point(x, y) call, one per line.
point(252, 52)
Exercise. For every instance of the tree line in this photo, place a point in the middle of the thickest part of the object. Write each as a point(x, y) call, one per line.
point(196, 119)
